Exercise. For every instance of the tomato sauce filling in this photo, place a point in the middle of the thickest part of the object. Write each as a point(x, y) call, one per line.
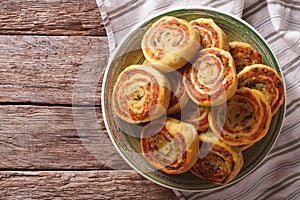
point(277, 83)
point(217, 165)
point(121, 100)
point(160, 28)
point(151, 141)
point(206, 96)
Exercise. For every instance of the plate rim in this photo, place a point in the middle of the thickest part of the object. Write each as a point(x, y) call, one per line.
point(114, 54)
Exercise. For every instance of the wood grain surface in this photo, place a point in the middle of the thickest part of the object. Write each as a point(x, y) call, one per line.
point(50, 17)
point(49, 69)
point(43, 137)
point(80, 185)
point(54, 145)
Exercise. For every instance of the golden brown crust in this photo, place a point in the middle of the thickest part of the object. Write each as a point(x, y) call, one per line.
point(247, 118)
point(266, 80)
point(244, 55)
point(194, 114)
point(211, 78)
point(218, 162)
point(265, 124)
point(170, 146)
point(170, 43)
point(179, 96)
point(140, 94)
point(211, 35)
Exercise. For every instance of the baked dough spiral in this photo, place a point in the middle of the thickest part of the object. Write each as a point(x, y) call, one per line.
point(171, 146)
point(245, 120)
point(266, 80)
point(211, 78)
point(179, 96)
point(141, 94)
point(211, 35)
point(244, 55)
point(218, 162)
point(170, 43)
point(194, 114)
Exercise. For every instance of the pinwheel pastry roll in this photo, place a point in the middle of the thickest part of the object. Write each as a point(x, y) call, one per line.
point(244, 55)
point(171, 146)
point(194, 114)
point(244, 120)
point(141, 93)
point(211, 35)
point(179, 96)
point(170, 43)
point(266, 80)
point(211, 78)
point(264, 126)
point(218, 162)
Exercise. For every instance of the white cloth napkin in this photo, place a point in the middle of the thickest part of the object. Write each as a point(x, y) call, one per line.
point(278, 177)
point(120, 16)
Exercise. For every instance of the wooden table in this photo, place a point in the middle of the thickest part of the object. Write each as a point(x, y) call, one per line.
point(44, 46)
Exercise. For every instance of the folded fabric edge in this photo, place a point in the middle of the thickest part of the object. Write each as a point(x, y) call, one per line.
point(107, 26)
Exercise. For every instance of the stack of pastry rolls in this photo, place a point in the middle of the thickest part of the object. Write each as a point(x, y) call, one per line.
point(201, 99)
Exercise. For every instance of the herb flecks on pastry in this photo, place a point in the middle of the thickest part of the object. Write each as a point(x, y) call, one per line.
point(218, 162)
point(244, 55)
point(266, 80)
point(245, 119)
point(171, 146)
point(141, 94)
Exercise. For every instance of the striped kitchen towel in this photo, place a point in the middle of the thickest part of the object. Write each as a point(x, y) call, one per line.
point(278, 176)
point(120, 16)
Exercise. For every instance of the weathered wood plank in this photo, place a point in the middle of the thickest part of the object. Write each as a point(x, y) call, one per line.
point(80, 185)
point(40, 137)
point(55, 17)
point(52, 69)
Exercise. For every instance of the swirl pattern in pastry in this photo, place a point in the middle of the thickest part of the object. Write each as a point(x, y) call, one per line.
point(244, 55)
point(171, 146)
point(245, 120)
point(179, 96)
point(170, 43)
point(211, 78)
point(141, 94)
point(194, 114)
point(266, 80)
point(218, 162)
point(211, 35)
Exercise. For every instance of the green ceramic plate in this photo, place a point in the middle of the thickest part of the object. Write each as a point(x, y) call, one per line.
point(125, 137)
